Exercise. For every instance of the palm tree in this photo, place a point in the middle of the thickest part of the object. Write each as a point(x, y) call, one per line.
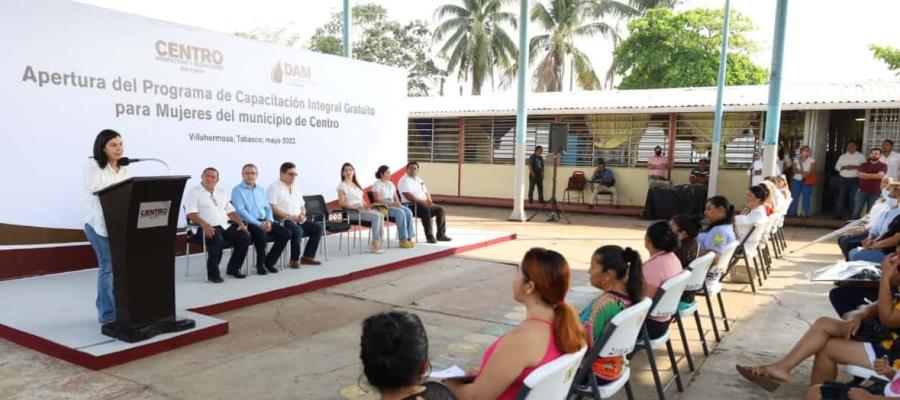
point(477, 40)
point(563, 22)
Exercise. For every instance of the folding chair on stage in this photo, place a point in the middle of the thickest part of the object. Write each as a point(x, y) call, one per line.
point(317, 211)
point(553, 380)
point(618, 339)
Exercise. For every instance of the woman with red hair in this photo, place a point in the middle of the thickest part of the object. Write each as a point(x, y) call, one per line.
point(551, 328)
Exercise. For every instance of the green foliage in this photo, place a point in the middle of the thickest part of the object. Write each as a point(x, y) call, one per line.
point(889, 55)
point(380, 40)
point(666, 49)
point(476, 41)
point(272, 35)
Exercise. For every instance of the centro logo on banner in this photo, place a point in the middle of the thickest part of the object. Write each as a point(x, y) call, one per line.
point(191, 58)
point(291, 74)
point(153, 214)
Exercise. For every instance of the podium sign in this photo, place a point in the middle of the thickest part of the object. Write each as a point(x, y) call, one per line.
point(141, 219)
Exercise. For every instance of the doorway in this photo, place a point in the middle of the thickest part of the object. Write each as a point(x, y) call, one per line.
point(843, 126)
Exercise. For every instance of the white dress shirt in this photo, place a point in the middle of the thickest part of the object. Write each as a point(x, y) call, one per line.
point(743, 222)
point(352, 195)
point(758, 166)
point(385, 189)
point(288, 199)
point(213, 207)
point(96, 179)
point(414, 186)
point(846, 159)
point(893, 163)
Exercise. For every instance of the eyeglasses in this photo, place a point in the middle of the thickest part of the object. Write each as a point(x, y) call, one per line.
point(292, 174)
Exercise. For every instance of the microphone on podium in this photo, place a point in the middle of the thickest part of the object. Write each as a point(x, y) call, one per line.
point(126, 161)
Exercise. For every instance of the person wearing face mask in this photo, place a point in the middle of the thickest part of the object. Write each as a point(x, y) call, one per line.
point(657, 166)
point(870, 175)
point(877, 227)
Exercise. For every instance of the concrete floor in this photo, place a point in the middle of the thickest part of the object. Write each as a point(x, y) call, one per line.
point(306, 347)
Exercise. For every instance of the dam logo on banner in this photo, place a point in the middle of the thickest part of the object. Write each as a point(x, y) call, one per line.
point(292, 74)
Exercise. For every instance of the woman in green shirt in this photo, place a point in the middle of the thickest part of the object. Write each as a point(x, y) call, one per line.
point(617, 272)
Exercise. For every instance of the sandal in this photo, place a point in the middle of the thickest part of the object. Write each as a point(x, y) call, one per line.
point(758, 376)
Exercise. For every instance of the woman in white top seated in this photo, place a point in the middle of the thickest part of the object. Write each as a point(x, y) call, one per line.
point(104, 170)
point(385, 193)
point(754, 212)
point(350, 197)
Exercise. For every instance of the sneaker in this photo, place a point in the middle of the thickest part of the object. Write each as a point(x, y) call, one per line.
point(406, 244)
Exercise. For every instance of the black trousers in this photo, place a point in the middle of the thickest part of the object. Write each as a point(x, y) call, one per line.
point(279, 234)
point(298, 231)
point(850, 242)
point(536, 181)
point(425, 213)
point(848, 298)
point(225, 238)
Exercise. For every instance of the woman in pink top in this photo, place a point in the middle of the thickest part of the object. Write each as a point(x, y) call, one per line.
point(551, 329)
point(663, 264)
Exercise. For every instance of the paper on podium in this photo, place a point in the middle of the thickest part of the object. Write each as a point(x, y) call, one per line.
point(452, 372)
point(844, 270)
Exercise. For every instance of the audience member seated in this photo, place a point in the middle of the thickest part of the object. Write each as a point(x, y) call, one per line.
point(687, 227)
point(288, 206)
point(385, 193)
point(394, 354)
point(251, 205)
point(833, 341)
point(754, 211)
point(778, 199)
point(617, 273)
point(604, 182)
point(769, 201)
point(700, 175)
point(782, 185)
point(877, 227)
point(350, 198)
point(719, 230)
point(663, 264)
point(413, 191)
point(835, 390)
point(208, 206)
point(876, 249)
point(551, 330)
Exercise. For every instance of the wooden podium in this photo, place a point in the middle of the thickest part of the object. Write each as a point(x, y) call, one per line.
point(141, 219)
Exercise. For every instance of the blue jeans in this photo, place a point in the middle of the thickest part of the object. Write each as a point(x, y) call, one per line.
point(106, 302)
point(846, 191)
point(873, 255)
point(864, 199)
point(800, 192)
point(404, 219)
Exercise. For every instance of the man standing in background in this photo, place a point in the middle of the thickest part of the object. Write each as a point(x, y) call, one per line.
point(536, 174)
point(847, 166)
point(891, 158)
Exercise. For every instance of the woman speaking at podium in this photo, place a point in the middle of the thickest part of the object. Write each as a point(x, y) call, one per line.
point(104, 170)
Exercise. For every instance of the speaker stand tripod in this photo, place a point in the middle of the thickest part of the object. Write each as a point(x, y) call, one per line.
point(551, 208)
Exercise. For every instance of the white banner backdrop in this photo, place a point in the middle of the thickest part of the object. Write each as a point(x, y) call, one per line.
point(191, 97)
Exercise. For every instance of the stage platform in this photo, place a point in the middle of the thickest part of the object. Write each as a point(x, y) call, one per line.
point(55, 314)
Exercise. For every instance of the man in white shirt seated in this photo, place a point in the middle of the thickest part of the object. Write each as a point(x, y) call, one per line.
point(289, 207)
point(847, 166)
point(413, 191)
point(211, 208)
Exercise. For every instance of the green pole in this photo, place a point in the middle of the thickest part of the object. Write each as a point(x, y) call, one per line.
point(720, 92)
point(518, 212)
point(347, 28)
point(773, 112)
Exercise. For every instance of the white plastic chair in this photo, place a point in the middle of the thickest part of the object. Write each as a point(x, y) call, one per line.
point(553, 380)
point(697, 281)
point(715, 289)
point(747, 243)
point(861, 374)
point(618, 339)
point(665, 306)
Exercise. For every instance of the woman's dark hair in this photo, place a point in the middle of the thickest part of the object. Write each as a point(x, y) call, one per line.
point(626, 263)
point(662, 236)
point(721, 202)
point(760, 192)
point(549, 271)
point(346, 164)
point(690, 224)
point(381, 170)
point(100, 142)
point(393, 348)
